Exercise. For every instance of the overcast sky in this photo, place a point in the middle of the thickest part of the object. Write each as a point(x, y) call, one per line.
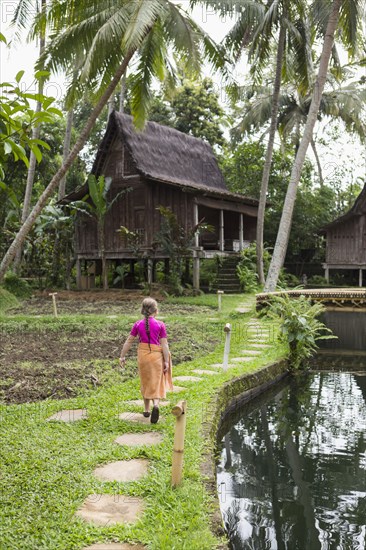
point(346, 152)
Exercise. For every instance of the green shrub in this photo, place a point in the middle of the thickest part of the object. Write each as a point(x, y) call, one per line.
point(247, 267)
point(17, 286)
point(300, 327)
point(7, 300)
point(318, 280)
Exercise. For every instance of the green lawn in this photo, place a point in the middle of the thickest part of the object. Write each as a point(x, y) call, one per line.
point(47, 467)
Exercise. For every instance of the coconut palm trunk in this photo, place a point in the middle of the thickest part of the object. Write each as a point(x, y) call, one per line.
point(317, 159)
point(66, 151)
point(283, 234)
point(269, 154)
point(54, 183)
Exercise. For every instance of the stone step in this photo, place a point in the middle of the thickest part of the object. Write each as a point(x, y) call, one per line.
point(123, 470)
point(111, 509)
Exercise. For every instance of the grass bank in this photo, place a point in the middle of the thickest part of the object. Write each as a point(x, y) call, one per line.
point(47, 467)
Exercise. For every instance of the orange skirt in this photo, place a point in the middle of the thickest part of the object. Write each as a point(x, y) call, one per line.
point(154, 383)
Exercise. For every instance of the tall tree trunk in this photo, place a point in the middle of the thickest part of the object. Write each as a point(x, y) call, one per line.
point(283, 234)
point(66, 151)
point(122, 95)
point(54, 183)
point(320, 171)
point(269, 154)
point(32, 157)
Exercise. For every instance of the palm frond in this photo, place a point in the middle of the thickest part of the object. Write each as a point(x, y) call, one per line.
point(150, 63)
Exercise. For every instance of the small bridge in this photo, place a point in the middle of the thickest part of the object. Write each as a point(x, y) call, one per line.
point(331, 297)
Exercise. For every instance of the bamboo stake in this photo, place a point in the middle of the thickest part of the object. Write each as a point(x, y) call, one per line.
point(219, 295)
point(180, 412)
point(54, 294)
point(227, 330)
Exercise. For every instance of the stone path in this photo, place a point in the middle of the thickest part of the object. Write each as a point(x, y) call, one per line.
point(123, 470)
point(242, 359)
point(69, 415)
point(187, 379)
point(110, 509)
point(202, 371)
point(256, 345)
point(178, 389)
point(250, 352)
point(140, 402)
point(137, 417)
point(139, 439)
point(115, 545)
point(107, 509)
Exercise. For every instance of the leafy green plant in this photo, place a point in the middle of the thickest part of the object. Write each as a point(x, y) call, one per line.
point(176, 242)
point(318, 280)
point(17, 286)
point(247, 268)
point(122, 271)
point(300, 326)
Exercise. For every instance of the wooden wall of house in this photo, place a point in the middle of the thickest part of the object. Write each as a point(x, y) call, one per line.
point(346, 242)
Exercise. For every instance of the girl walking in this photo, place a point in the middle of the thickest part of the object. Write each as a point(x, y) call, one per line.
point(153, 356)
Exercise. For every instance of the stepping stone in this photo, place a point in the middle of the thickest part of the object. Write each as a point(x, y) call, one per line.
point(115, 546)
point(111, 509)
point(136, 417)
point(219, 366)
point(123, 470)
point(243, 309)
point(69, 415)
point(177, 389)
point(242, 359)
point(250, 352)
point(201, 371)
point(262, 346)
point(187, 379)
point(137, 440)
point(140, 402)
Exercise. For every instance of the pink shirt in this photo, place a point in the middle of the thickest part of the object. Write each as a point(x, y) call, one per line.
point(157, 331)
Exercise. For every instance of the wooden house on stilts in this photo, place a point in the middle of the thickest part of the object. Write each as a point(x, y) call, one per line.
point(161, 167)
point(346, 240)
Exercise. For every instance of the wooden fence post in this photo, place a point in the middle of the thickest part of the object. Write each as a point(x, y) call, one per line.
point(180, 412)
point(227, 330)
point(54, 294)
point(219, 295)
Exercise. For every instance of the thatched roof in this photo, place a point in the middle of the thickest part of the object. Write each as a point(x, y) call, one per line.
point(163, 153)
point(166, 155)
point(358, 209)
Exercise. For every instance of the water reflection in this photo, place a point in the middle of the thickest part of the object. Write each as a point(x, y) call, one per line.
point(292, 472)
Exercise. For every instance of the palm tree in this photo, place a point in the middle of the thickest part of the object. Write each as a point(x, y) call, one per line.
point(261, 27)
point(112, 33)
point(348, 14)
point(344, 103)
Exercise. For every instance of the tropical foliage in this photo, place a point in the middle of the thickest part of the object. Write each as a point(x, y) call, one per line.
point(300, 326)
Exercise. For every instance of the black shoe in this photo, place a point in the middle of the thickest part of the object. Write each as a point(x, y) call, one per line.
point(146, 414)
point(154, 415)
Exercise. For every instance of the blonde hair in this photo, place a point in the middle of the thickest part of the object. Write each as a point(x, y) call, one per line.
point(149, 307)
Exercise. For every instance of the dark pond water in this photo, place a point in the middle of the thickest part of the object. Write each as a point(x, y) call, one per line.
point(292, 467)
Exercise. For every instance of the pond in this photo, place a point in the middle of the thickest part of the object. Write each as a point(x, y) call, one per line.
point(291, 472)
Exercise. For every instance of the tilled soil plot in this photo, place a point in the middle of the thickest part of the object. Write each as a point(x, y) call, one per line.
point(36, 365)
point(113, 302)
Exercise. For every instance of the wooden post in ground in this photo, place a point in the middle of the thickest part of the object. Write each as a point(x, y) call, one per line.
point(227, 330)
point(219, 295)
point(54, 294)
point(360, 281)
point(180, 412)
